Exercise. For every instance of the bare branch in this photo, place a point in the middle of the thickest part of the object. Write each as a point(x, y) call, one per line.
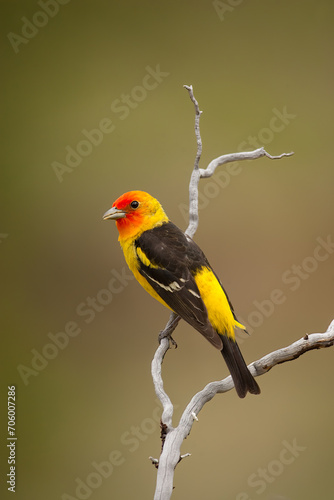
point(260, 367)
point(307, 343)
point(164, 338)
point(198, 113)
point(199, 173)
point(172, 438)
point(246, 155)
point(171, 453)
point(195, 176)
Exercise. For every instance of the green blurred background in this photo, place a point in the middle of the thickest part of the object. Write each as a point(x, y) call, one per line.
point(94, 401)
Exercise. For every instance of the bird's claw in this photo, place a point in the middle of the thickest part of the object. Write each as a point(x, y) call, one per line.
point(163, 334)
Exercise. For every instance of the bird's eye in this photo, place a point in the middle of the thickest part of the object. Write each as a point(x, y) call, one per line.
point(134, 204)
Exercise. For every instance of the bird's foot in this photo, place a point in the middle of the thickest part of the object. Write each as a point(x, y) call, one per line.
point(166, 334)
point(169, 329)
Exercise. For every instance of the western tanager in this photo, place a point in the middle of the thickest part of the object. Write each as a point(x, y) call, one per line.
point(174, 270)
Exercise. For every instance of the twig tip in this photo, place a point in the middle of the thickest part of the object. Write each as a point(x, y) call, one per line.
point(277, 157)
point(154, 462)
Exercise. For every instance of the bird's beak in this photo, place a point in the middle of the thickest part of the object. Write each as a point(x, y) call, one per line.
point(114, 213)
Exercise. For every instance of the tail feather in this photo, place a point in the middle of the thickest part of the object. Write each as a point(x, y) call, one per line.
point(243, 380)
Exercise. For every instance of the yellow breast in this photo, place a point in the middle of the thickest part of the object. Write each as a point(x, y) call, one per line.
point(131, 258)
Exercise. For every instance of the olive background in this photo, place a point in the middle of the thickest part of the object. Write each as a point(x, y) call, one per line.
point(92, 405)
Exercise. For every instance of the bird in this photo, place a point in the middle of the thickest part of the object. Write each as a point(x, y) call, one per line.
point(173, 269)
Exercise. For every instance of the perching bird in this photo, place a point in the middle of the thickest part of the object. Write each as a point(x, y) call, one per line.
point(174, 270)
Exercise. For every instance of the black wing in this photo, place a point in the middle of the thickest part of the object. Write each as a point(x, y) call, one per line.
point(168, 261)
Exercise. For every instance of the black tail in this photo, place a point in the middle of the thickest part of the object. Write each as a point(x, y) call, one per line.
point(243, 380)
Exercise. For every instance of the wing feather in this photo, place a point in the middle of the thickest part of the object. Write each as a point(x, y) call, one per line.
point(168, 261)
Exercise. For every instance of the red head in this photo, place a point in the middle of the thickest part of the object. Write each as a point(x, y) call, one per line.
point(134, 213)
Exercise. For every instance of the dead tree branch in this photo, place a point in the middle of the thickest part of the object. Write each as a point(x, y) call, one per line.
point(173, 437)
